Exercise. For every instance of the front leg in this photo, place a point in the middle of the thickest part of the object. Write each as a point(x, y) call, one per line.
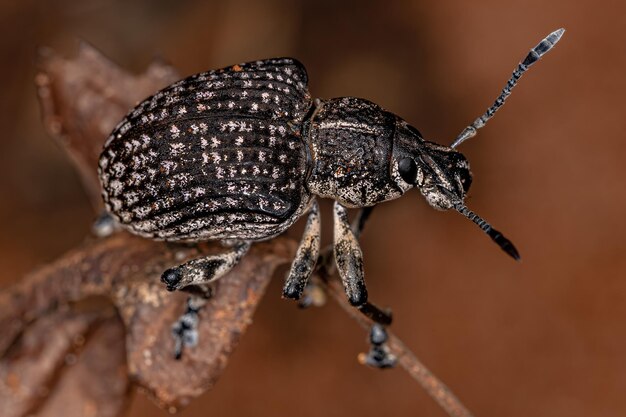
point(185, 329)
point(306, 256)
point(349, 261)
point(203, 270)
point(348, 257)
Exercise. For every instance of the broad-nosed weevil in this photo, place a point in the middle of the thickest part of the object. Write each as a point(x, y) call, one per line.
point(240, 153)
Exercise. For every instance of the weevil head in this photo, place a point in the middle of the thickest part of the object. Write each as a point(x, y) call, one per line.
point(441, 174)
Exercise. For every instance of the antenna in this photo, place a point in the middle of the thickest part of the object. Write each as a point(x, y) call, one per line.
point(504, 243)
point(533, 56)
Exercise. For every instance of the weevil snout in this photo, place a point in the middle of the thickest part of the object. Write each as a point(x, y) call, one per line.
point(441, 174)
point(447, 179)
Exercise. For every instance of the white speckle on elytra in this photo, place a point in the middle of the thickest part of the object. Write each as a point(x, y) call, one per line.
point(216, 157)
point(215, 142)
point(177, 148)
point(205, 95)
point(131, 198)
point(116, 203)
point(118, 169)
point(239, 140)
point(168, 166)
point(174, 131)
point(124, 128)
point(136, 178)
point(116, 187)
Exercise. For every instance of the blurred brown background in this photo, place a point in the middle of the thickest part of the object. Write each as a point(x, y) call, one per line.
point(544, 338)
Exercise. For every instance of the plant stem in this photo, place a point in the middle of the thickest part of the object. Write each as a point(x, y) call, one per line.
point(406, 359)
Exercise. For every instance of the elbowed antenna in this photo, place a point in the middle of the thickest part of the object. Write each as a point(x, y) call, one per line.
point(533, 56)
point(504, 243)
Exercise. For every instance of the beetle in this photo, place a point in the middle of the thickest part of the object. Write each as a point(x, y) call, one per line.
point(241, 153)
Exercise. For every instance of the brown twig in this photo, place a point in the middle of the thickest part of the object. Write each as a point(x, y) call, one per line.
point(406, 359)
point(133, 344)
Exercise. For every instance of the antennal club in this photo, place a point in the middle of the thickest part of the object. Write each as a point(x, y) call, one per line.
point(537, 52)
point(504, 243)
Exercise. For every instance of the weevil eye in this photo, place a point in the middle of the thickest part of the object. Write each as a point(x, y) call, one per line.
point(407, 168)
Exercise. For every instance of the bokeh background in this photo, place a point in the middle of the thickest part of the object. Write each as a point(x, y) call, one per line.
point(544, 338)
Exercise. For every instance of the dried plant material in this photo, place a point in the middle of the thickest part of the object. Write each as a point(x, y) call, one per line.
point(50, 369)
point(51, 348)
point(173, 383)
point(82, 100)
point(127, 270)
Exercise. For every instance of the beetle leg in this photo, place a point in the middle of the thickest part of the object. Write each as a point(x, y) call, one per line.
point(349, 261)
point(185, 329)
point(203, 270)
point(348, 257)
point(306, 256)
point(359, 221)
point(105, 225)
point(378, 355)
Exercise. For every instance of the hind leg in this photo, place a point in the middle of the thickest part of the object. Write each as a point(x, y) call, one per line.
point(203, 270)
